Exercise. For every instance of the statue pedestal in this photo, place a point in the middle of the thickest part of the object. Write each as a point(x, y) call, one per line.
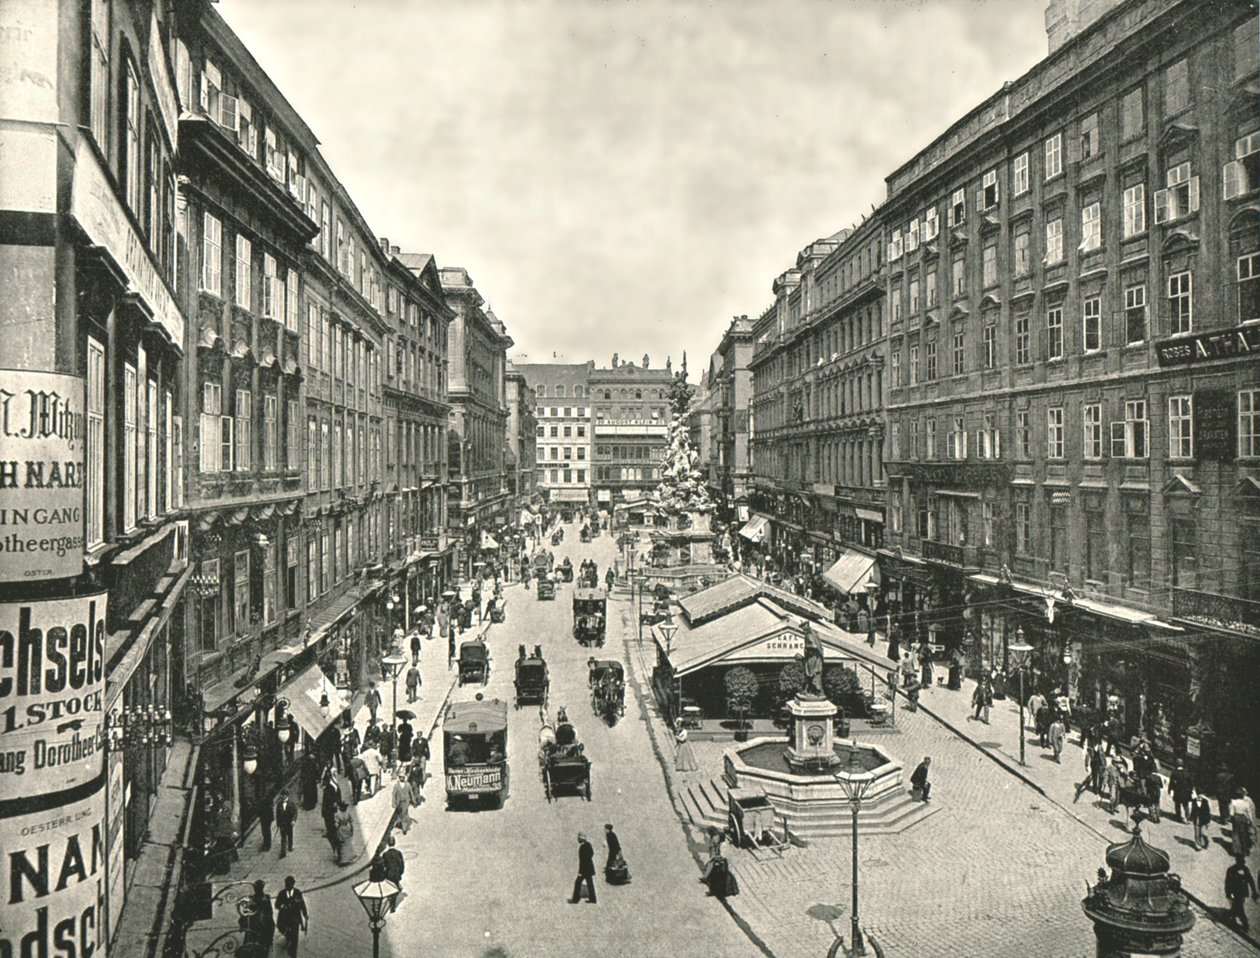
point(812, 749)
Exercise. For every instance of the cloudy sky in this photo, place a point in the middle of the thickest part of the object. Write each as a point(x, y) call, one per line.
point(626, 176)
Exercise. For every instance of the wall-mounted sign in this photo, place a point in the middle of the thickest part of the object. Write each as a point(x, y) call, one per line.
point(1215, 425)
point(1203, 347)
point(41, 475)
point(94, 205)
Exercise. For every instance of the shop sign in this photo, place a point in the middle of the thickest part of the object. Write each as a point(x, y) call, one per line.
point(1215, 419)
point(1193, 746)
point(54, 880)
point(41, 475)
point(482, 779)
point(96, 208)
point(781, 645)
point(52, 678)
point(1220, 344)
point(28, 60)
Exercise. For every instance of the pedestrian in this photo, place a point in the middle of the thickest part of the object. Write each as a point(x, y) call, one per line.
point(1058, 734)
point(375, 762)
point(919, 780)
point(685, 757)
point(420, 757)
point(330, 798)
point(265, 819)
point(291, 914)
point(259, 922)
point(1034, 704)
point(1181, 790)
point(415, 647)
point(1154, 786)
point(1201, 817)
point(405, 735)
point(1112, 776)
point(402, 804)
point(1044, 716)
point(387, 744)
point(1242, 823)
point(413, 684)
point(1098, 765)
point(609, 578)
point(393, 865)
point(614, 846)
point(1088, 757)
point(373, 700)
point(286, 815)
point(415, 780)
point(344, 849)
point(982, 699)
point(358, 777)
point(1238, 886)
point(586, 872)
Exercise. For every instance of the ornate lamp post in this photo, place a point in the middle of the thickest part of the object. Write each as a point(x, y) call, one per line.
point(394, 664)
point(668, 629)
point(872, 591)
point(855, 782)
point(377, 899)
point(1019, 654)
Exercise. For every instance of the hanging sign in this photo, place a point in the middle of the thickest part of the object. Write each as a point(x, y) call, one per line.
point(41, 475)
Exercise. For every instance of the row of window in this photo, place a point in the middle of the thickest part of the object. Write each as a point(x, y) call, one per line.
point(341, 453)
point(556, 476)
point(227, 436)
point(566, 452)
point(278, 296)
point(1127, 438)
point(567, 431)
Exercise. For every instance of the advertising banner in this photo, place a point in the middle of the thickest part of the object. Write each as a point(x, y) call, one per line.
point(52, 680)
point(41, 475)
point(486, 778)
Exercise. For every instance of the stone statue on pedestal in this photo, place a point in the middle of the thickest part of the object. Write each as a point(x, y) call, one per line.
point(813, 665)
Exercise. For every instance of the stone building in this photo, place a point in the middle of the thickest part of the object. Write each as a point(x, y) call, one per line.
point(630, 418)
point(563, 431)
point(417, 550)
point(732, 388)
point(1073, 451)
point(522, 437)
point(476, 389)
point(818, 369)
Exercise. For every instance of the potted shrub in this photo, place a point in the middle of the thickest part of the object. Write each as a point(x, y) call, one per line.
point(741, 689)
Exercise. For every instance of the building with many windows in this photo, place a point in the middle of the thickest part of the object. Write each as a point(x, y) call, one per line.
point(818, 370)
point(522, 437)
point(1074, 441)
point(561, 391)
point(630, 418)
point(476, 389)
point(731, 392)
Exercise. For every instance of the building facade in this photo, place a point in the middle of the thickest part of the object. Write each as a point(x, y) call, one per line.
point(522, 437)
point(417, 550)
point(477, 345)
point(563, 431)
point(1073, 456)
point(818, 370)
point(630, 421)
point(95, 541)
point(732, 386)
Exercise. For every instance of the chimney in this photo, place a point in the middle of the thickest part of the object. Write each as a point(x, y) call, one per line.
point(395, 250)
point(384, 245)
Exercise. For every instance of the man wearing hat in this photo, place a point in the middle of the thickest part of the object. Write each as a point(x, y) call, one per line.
point(258, 921)
point(586, 872)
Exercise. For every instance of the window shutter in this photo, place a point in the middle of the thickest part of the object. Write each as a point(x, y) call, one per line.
point(227, 110)
point(1194, 194)
point(949, 215)
point(204, 96)
point(226, 436)
point(996, 451)
point(1162, 210)
point(1232, 179)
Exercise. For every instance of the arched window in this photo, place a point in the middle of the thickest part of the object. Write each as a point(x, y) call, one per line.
point(579, 391)
point(608, 394)
point(560, 390)
point(638, 394)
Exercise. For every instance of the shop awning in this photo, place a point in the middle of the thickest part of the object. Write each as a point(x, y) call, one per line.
point(851, 571)
point(488, 541)
point(870, 515)
point(305, 693)
point(755, 529)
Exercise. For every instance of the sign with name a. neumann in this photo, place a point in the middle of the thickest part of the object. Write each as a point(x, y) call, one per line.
point(41, 475)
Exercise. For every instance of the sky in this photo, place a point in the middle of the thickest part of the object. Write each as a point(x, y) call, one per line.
point(624, 177)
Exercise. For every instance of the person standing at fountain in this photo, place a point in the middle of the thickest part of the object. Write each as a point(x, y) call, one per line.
point(919, 779)
point(685, 758)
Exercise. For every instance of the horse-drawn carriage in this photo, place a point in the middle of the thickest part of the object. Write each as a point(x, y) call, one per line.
point(474, 662)
point(607, 681)
point(557, 537)
point(588, 574)
point(474, 751)
point(546, 587)
point(590, 615)
point(565, 570)
point(660, 607)
point(562, 761)
point(585, 534)
point(498, 609)
point(532, 679)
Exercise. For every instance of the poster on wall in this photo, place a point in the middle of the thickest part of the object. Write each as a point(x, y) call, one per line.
point(52, 679)
point(54, 879)
point(41, 475)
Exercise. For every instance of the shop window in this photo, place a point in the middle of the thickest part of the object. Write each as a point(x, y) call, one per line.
point(210, 605)
point(1184, 553)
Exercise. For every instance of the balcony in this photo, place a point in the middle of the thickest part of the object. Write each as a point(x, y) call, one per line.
point(1220, 611)
point(943, 552)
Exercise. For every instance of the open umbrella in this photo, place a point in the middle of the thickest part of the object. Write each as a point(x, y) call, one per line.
point(422, 608)
point(407, 714)
point(448, 594)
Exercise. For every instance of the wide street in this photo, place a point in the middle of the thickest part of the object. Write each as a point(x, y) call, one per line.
point(495, 882)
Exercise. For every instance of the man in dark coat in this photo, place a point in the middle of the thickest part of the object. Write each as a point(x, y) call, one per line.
point(286, 815)
point(614, 845)
point(291, 914)
point(393, 864)
point(259, 923)
point(586, 872)
point(264, 823)
point(919, 779)
point(1238, 885)
point(1180, 788)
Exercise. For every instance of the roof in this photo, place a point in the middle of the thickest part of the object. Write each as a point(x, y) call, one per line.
point(475, 716)
point(414, 261)
point(738, 591)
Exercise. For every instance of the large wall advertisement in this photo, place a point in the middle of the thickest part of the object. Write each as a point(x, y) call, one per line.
point(52, 794)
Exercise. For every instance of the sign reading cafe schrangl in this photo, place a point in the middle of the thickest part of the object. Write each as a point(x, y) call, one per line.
point(41, 475)
point(52, 794)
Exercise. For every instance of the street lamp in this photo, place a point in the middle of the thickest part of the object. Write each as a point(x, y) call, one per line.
point(856, 782)
point(637, 577)
point(377, 899)
point(1019, 654)
point(394, 664)
point(872, 590)
point(668, 630)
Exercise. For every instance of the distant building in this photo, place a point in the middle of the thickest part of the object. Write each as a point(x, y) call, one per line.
point(522, 436)
point(563, 430)
point(731, 381)
point(630, 409)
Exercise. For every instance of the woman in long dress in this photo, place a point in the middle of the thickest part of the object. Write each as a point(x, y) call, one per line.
point(685, 759)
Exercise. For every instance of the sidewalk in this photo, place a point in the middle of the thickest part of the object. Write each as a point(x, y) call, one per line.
point(1202, 872)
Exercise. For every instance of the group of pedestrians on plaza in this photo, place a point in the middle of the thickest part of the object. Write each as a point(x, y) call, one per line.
point(261, 918)
point(616, 872)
